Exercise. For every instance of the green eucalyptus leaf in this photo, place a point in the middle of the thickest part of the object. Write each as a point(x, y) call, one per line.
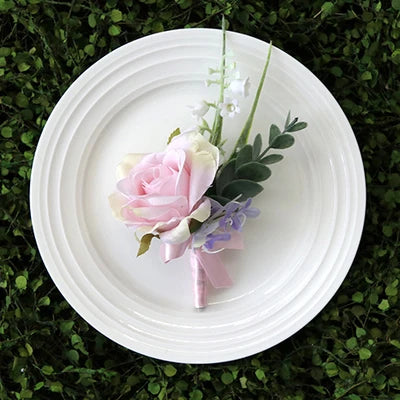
point(283, 142)
point(254, 171)
point(243, 187)
point(145, 243)
point(245, 155)
point(297, 127)
point(226, 175)
point(274, 132)
point(272, 159)
point(257, 146)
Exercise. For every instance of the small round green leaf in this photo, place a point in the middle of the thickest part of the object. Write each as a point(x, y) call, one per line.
point(92, 20)
point(227, 378)
point(6, 132)
point(21, 282)
point(154, 388)
point(364, 353)
point(89, 49)
point(396, 5)
point(116, 16)
point(170, 370)
point(114, 30)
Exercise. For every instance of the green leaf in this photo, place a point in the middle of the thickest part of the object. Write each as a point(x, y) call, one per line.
point(176, 132)
point(73, 355)
point(274, 132)
point(351, 343)
point(327, 8)
point(396, 5)
point(6, 132)
point(205, 376)
point(38, 386)
point(89, 49)
point(358, 297)
point(92, 20)
point(227, 378)
point(47, 369)
point(114, 30)
point(242, 187)
point(360, 332)
point(283, 142)
point(170, 370)
point(254, 171)
point(271, 159)
point(384, 305)
point(44, 301)
point(196, 394)
point(260, 374)
point(56, 387)
point(66, 327)
point(225, 176)
point(257, 146)
point(297, 127)
point(366, 76)
point(395, 343)
point(145, 242)
point(364, 353)
point(153, 388)
point(148, 369)
point(116, 16)
point(21, 282)
point(21, 100)
point(331, 369)
point(22, 67)
point(26, 394)
point(244, 155)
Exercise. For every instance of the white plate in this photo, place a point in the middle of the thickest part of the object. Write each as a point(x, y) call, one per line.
point(297, 252)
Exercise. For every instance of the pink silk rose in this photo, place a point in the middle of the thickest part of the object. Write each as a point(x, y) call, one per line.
point(160, 193)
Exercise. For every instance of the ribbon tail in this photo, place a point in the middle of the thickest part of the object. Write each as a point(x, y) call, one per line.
point(214, 269)
point(199, 279)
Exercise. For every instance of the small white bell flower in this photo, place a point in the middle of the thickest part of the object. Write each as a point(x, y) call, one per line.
point(240, 87)
point(199, 109)
point(230, 107)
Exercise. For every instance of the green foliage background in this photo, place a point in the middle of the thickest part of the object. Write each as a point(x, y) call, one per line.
point(350, 351)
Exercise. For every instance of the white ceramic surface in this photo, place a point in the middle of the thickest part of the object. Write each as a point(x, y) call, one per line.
point(297, 252)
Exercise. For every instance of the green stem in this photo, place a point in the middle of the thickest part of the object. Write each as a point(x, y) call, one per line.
point(244, 136)
point(264, 153)
point(217, 125)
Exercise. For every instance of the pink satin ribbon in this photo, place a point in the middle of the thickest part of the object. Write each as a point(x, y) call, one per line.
point(205, 266)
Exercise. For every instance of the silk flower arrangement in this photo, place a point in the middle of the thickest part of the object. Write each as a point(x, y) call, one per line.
point(191, 196)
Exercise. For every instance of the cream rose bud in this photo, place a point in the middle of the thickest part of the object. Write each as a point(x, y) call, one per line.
point(162, 192)
point(240, 87)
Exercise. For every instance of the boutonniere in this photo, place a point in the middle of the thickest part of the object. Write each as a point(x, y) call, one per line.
point(193, 196)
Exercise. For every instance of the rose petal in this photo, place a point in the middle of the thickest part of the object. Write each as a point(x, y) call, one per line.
point(117, 201)
point(127, 163)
